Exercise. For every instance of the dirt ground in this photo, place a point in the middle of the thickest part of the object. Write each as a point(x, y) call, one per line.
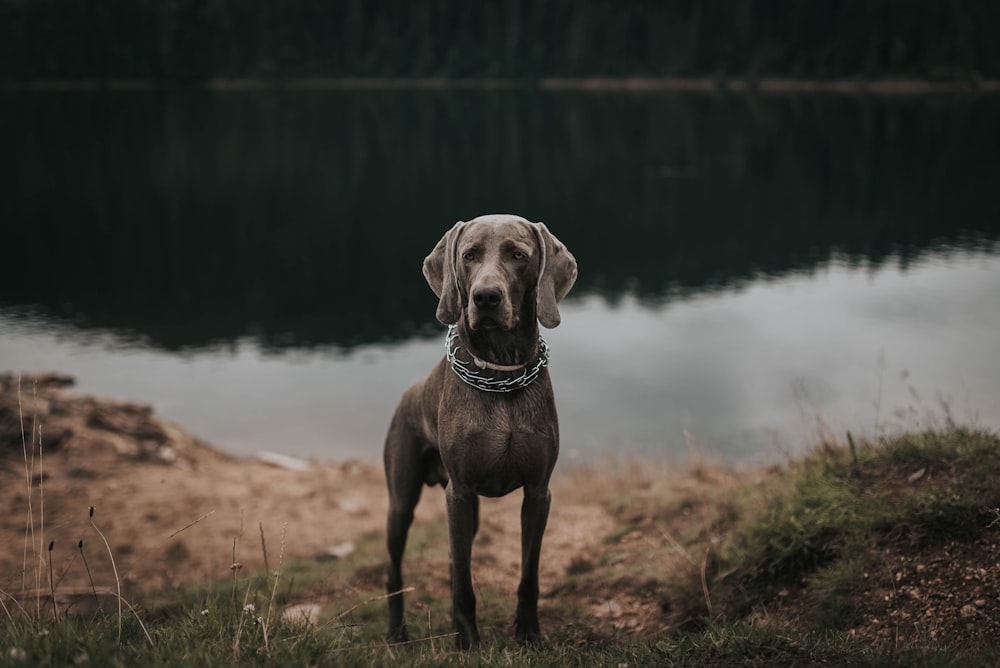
point(175, 511)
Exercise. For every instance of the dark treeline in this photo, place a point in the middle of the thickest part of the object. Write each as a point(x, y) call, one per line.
point(196, 218)
point(190, 40)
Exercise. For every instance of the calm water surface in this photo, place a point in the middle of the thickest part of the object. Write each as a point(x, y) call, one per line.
point(752, 270)
point(739, 375)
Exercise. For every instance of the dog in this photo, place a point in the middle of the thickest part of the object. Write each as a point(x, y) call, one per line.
point(483, 422)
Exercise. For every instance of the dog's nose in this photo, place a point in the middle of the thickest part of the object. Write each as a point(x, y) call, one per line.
point(487, 298)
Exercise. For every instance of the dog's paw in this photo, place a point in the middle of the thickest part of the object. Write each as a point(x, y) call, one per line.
point(527, 635)
point(397, 636)
point(467, 641)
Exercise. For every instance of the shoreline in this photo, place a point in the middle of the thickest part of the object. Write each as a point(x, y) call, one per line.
point(880, 87)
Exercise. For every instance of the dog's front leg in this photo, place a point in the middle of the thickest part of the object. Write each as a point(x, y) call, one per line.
point(463, 516)
point(534, 515)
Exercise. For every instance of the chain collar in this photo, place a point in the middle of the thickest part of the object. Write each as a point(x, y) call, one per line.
point(472, 372)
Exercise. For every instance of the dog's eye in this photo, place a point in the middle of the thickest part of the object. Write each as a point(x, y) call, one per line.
point(468, 256)
point(518, 255)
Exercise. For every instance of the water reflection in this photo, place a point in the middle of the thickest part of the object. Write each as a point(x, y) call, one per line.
point(299, 219)
point(250, 262)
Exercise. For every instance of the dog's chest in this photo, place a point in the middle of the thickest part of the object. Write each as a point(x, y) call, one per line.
point(500, 449)
point(495, 464)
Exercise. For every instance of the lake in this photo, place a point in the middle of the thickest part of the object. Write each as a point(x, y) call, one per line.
point(754, 270)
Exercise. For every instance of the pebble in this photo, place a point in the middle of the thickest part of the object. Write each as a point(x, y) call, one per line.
point(968, 611)
point(284, 461)
point(302, 613)
point(338, 551)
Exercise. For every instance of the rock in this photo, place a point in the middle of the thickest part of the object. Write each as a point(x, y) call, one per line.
point(305, 614)
point(89, 427)
point(352, 505)
point(284, 461)
point(335, 552)
point(968, 611)
point(135, 420)
point(44, 380)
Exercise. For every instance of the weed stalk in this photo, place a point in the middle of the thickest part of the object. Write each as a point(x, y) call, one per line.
point(90, 576)
point(52, 583)
point(118, 582)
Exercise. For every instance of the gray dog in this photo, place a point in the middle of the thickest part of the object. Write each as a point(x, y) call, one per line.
point(483, 422)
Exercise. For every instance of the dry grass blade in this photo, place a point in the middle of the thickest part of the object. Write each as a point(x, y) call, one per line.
point(277, 573)
point(135, 613)
point(373, 599)
point(12, 599)
point(247, 608)
point(669, 537)
point(29, 465)
point(704, 583)
point(431, 639)
point(52, 584)
point(118, 582)
point(191, 524)
point(90, 576)
point(263, 547)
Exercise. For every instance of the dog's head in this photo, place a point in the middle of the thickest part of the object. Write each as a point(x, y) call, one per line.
point(497, 269)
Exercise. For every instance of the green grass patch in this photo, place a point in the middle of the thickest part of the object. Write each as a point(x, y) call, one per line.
point(819, 527)
point(222, 637)
point(927, 487)
point(743, 643)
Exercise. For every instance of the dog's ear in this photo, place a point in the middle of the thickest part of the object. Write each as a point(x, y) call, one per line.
point(556, 275)
point(439, 270)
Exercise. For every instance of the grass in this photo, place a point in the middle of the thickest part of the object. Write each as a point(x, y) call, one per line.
point(722, 550)
point(829, 528)
point(206, 637)
point(924, 488)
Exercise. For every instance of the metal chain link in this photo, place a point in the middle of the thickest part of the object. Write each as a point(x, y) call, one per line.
point(472, 376)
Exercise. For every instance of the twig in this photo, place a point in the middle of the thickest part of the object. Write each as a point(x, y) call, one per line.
point(351, 609)
point(191, 524)
point(428, 638)
point(403, 643)
point(118, 582)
